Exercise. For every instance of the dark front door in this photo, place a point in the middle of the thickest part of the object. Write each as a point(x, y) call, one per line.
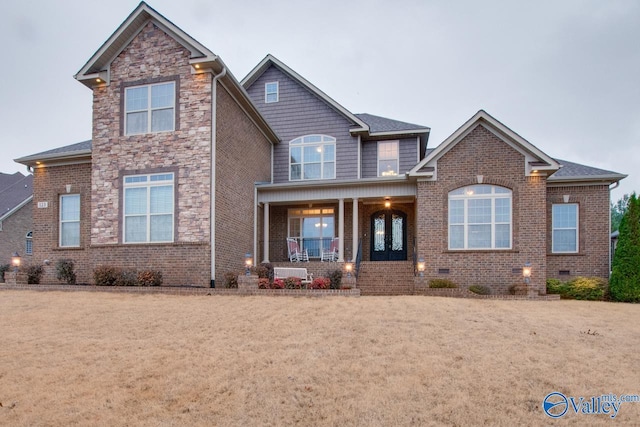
point(389, 236)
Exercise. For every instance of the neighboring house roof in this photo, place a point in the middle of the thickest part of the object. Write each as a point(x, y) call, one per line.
point(74, 153)
point(96, 71)
point(570, 171)
point(15, 191)
point(535, 158)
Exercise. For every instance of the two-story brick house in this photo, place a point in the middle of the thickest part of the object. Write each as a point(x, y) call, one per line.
point(288, 161)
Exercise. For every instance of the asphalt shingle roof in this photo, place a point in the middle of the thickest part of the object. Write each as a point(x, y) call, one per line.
point(14, 189)
point(382, 124)
point(575, 170)
point(80, 146)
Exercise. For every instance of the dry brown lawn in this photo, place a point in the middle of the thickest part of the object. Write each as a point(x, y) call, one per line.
point(114, 359)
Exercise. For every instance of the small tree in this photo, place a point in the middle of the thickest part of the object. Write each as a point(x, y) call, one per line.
point(618, 210)
point(625, 276)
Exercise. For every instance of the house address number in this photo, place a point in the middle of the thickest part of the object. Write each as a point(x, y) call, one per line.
point(43, 205)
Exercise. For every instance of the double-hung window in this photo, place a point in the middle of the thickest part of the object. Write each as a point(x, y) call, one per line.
point(565, 228)
point(312, 157)
point(70, 220)
point(148, 208)
point(150, 108)
point(480, 218)
point(271, 92)
point(388, 158)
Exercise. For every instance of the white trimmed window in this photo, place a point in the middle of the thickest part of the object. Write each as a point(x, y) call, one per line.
point(388, 159)
point(150, 108)
point(480, 218)
point(312, 157)
point(271, 92)
point(565, 228)
point(70, 220)
point(28, 244)
point(148, 208)
point(314, 228)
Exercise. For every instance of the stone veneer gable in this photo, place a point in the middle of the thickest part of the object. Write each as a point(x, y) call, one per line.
point(152, 56)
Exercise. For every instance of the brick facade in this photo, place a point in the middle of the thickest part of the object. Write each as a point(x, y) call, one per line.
point(592, 258)
point(482, 153)
point(48, 185)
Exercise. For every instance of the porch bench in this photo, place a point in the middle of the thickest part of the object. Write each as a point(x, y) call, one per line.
point(284, 272)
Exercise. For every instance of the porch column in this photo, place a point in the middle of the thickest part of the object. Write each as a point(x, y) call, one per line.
point(265, 231)
point(341, 230)
point(356, 233)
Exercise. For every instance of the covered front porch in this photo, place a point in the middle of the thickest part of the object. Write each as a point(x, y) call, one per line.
point(369, 220)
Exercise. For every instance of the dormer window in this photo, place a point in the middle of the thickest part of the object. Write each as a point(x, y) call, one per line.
point(150, 108)
point(271, 92)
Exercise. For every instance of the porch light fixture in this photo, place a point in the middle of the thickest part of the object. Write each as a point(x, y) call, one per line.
point(526, 272)
point(387, 203)
point(421, 266)
point(348, 266)
point(248, 262)
point(15, 261)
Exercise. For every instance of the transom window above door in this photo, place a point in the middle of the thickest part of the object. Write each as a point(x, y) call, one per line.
point(312, 157)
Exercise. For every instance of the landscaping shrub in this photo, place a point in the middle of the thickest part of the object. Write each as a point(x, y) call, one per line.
point(263, 283)
point(441, 283)
point(3, 269)
point(293, 283)
point(587, 288)
point(277, 284)
point(126, 278)
point(512, 289)
point(335, 278)
point(556, 286)
point(105, 275)
point(480, 290)
point(582, 288)
point(34, 274)
point(320, 283)
point(149, 278)
point(231, 280)
point(269, 270)
point(64, 271)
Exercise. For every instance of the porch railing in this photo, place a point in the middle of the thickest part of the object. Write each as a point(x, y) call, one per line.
point(278, 251)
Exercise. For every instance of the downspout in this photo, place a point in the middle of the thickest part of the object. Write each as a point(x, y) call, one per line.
point(214, 132)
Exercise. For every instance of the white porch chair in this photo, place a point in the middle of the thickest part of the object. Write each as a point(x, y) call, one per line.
point(331, 253)
point(295, 254)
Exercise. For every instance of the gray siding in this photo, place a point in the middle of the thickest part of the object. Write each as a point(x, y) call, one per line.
point(298, 112)
point(408, 156)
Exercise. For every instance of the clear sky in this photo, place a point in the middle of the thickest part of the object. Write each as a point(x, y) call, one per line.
point(565, 74)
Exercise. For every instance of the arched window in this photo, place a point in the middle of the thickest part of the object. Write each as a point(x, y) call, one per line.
point(312, 157)
point(480, 218)
point(28, 246)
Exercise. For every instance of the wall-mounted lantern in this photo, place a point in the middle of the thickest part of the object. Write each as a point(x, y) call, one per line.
point(15, 261)
point(348, 267)
point(421, 266)
point(526, 272)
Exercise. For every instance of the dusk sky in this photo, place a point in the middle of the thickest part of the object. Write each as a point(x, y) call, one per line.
point(565, 75)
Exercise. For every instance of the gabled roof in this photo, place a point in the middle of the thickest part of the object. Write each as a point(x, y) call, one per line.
point(98, 65)
point(270, 60)
point(15, 191)
point(535, 158)
point(575, 172)
point(74, 153)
